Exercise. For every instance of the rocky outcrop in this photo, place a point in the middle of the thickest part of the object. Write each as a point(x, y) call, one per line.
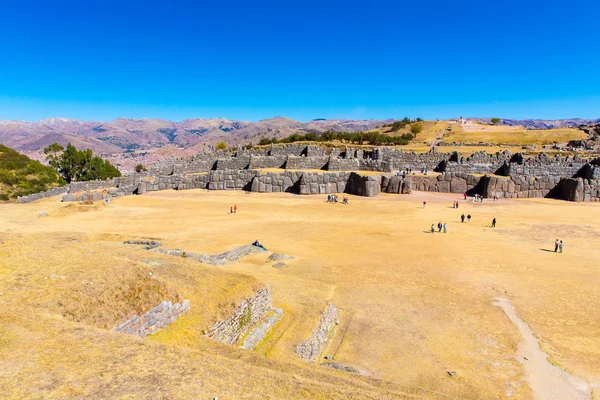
point(311, 348)
point(158, 318)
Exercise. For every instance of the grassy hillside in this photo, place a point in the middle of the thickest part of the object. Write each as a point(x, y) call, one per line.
point(20, 175)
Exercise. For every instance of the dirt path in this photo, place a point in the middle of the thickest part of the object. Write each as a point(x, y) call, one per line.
point(547, 381)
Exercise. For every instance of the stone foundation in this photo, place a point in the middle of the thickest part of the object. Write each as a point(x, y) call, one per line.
point(247, 314)
point(158, 318)
point(311, 348)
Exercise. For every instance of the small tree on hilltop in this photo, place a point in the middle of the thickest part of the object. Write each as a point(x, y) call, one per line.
point(221, 146)
point(495, 121)
point(140, 168)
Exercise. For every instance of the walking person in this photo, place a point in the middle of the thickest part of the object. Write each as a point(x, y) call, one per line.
point(432, 228)
point(462, 218)
point(560, 246)
point(465, 194)
point(469, 218)
point(439, 227)
point(457, 204)
point(454, 204)
point(556, 245)
point(424, 204)
point(445, 227)
point(230, 210)
point(494, 223)
point(235, 209)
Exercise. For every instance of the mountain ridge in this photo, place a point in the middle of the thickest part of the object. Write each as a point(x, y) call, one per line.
point(198, 134)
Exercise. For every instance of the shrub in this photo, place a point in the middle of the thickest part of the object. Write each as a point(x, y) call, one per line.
point(495, 121)
point(416, 128)
point(140, 168)
point(221, 146)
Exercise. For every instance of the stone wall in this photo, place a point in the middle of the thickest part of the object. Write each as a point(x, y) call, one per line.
point(246, 315)
point(396, 184)
point(360, 185)
point(311, 348)
point(159, 317)
point(276, 182)
point(578, 189)
point(530, 176)
point(319, 162)
point(446, 183)
point(259, 162)
point(343, 164)
point(315, 183)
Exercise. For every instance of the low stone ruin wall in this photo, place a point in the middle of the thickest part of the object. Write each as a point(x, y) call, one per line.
point(258, 333)
point(217, 259)
point(42, 195)
point(74, 187)
point(247, 314)
point(159, 317)
point(311, 348)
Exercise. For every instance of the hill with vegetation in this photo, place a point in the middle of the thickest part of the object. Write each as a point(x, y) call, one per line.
point(20, 175)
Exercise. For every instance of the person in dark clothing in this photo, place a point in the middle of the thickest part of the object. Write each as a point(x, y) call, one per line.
point(439, 227)
point(494, 223)
point(462, 218)
point(469, 218)
point(556, 245)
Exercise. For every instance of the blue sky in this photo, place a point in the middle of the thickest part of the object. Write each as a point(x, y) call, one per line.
point(300, 59)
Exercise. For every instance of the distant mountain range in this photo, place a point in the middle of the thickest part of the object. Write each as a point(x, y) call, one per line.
point(543, 123)
point(132, 134)
point(194, 135)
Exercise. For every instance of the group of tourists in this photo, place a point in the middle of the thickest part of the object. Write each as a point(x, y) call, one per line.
point(333, 198)
point(462, 218)
point(440, 226)
point(233, 210)
point(455, 204)
point(558, 246)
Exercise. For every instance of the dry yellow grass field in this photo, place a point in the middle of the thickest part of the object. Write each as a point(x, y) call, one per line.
point(510, 135)
point(414, 305)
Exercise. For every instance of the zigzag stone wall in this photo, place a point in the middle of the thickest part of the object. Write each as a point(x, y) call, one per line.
point(224, 171)
point(311, 348)
point(159, 317)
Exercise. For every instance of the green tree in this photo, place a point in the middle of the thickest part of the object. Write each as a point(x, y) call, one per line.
point(495, 121)
point(140, 168)
point(79, 165)
point(221, 146)
point(52, 154)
